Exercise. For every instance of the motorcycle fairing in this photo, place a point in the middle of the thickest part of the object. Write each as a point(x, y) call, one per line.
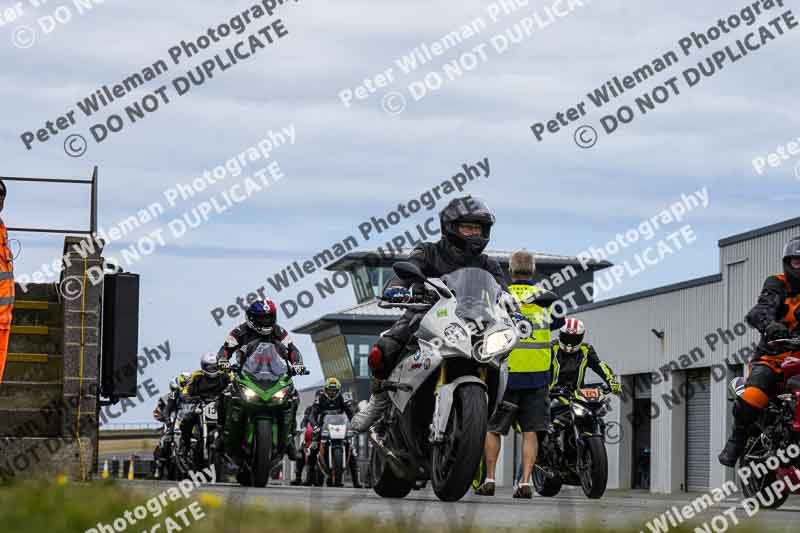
point(413, 370)
point(444, 404)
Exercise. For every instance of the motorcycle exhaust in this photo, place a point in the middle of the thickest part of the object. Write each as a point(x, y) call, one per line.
point(389, 454)
point(397, 464)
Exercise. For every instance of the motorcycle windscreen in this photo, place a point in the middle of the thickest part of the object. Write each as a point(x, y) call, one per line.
point(335, 425)
point(335, 420)
point(477, 293)
point(264, 365)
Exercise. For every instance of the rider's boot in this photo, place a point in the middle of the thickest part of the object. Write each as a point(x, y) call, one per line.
point(312, 469)
point(378, 403)
point(298, 474)
point(354, 472)
point(744, 415)
point(733, 449)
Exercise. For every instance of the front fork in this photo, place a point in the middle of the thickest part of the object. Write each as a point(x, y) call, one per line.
point(204, 425)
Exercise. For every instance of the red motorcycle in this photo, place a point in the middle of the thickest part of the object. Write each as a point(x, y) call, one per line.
point(778, 428)
point(311, 473)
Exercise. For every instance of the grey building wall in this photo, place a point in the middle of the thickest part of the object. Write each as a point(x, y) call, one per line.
point(694, 317)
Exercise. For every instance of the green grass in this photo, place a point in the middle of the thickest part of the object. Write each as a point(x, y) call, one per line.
point(38, 507)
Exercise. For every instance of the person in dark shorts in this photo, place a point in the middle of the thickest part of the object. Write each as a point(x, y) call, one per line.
point(527, 399)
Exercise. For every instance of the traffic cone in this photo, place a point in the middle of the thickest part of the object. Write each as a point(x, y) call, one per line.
point(105, 474)
point(130, 470)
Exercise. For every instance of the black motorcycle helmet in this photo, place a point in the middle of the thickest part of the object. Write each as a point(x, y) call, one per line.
point(467, 209)
point(791, 250)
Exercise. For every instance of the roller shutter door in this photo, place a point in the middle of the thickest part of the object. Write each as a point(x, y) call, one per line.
point(698, 431)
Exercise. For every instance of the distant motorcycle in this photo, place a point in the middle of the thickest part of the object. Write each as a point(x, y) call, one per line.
point(575, 452)
point(166, 466)
point(311, 473)
point(335, 447)
point(202, 452)
point(778, 428)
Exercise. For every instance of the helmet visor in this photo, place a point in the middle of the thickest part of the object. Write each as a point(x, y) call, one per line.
point(263, 320)
point(571, 340)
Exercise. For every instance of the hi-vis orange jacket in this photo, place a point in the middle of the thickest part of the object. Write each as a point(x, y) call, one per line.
point(6, 295)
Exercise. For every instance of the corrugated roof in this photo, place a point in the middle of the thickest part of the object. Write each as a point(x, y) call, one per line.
point(363, 312)
point(369, 308)
point(705, 280)
point(760, 232)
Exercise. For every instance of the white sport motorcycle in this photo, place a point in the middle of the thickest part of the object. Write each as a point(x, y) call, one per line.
point(451, 377)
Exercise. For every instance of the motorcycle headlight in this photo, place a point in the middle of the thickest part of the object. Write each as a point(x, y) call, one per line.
point(454, 334)
point(249, 394)
point(498, 342)
point(579, 410)
point(281, 395)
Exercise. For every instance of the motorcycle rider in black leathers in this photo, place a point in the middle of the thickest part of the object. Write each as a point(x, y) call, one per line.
point(206, 384)
point(776, 316)
point(572, 356)
point(166, 406)
point(466, 225)
point(331, 401)
point(261, 325)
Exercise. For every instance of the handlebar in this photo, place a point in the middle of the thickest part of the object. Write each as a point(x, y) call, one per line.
point(388, 304)
point(299, 370)
point(793, 342)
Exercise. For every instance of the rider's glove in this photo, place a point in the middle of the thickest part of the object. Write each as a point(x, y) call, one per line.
point(614, 385)
point(776, 331)
point(397, 294)
point(375, 358)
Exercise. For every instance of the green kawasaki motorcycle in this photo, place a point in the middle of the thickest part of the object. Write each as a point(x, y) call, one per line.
point(260, 406)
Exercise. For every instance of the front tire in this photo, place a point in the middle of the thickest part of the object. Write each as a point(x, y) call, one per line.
point(337, 468)
point(594, 468)
point(262, 451)
point(457, 458)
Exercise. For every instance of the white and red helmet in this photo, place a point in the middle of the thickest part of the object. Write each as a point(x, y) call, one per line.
point(570, 336)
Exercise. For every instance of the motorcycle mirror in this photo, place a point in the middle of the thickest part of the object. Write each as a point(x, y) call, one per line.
point(408, 271)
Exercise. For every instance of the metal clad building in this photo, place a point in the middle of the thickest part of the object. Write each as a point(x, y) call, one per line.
point(677, 347)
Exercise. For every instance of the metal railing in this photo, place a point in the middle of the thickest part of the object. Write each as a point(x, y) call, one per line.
point(133, 426)
point(93, 213)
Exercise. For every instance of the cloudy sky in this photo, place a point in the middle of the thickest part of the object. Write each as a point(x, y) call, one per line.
point(351, 163)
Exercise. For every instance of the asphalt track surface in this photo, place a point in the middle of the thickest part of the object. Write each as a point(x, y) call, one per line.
point(626, 510)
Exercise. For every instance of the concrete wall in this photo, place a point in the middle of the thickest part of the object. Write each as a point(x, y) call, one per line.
point(49, 413)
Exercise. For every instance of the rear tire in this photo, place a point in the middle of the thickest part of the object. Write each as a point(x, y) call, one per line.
point(595, 477)
point(544, 485)
point(456, 460)
point(384, 481)
point(753, 487)
point(262, 451)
